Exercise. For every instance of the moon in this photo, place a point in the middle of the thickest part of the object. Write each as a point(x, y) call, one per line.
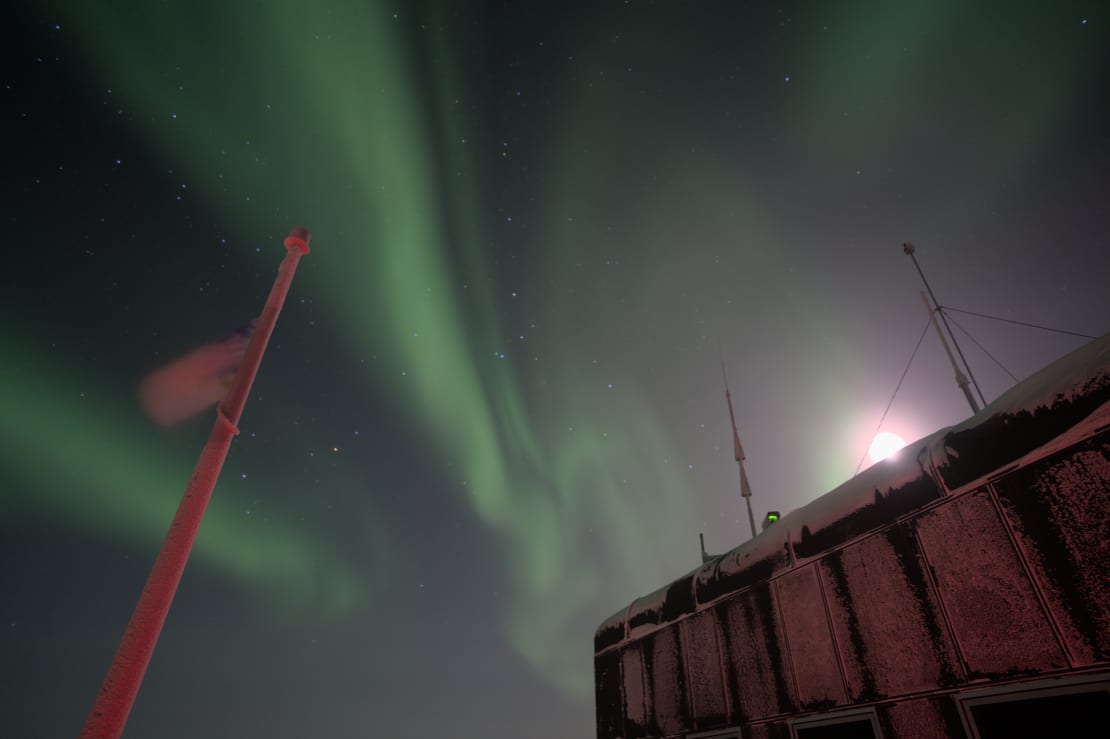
point(884, 445)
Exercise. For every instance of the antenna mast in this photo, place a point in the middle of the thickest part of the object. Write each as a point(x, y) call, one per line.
point(738, 451)
point(961, 378)
point(909, 249)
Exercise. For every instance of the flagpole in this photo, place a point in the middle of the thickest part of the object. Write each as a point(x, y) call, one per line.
point(121, 684)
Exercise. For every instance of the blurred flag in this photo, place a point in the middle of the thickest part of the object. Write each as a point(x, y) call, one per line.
point(194, 382)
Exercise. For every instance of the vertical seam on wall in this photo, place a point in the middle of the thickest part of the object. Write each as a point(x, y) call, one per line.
point(832, 633)
point(931, 578)
point(1042, 599)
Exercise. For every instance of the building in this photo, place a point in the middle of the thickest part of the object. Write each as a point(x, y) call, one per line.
point(961, 588)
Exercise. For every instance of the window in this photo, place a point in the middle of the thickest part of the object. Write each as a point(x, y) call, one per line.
point(1073, 707)
point(853, 724)
point(716, 734)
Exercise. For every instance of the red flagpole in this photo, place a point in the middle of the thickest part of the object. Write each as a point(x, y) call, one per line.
point(121, 685)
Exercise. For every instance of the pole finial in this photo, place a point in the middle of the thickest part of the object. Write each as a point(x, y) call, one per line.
point(298, 239)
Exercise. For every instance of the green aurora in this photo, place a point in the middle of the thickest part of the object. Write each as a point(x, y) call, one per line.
point(369, 130)
point(317, 115)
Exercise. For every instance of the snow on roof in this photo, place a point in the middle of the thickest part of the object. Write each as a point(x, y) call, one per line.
point(1047, 404)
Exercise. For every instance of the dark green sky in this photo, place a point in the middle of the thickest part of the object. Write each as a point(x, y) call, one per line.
point(492, 411)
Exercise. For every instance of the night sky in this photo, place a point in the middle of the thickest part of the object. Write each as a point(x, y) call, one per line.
point(492, 412)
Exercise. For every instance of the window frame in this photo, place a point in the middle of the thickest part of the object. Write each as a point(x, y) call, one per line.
point(831, 718)
point(730, 733)
point(1029, 690)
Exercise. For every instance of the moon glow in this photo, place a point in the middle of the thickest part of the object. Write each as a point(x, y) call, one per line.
point(884, 445)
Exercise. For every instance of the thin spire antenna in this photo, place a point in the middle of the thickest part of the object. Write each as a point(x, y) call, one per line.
point(909, 249)
point(738, 451)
